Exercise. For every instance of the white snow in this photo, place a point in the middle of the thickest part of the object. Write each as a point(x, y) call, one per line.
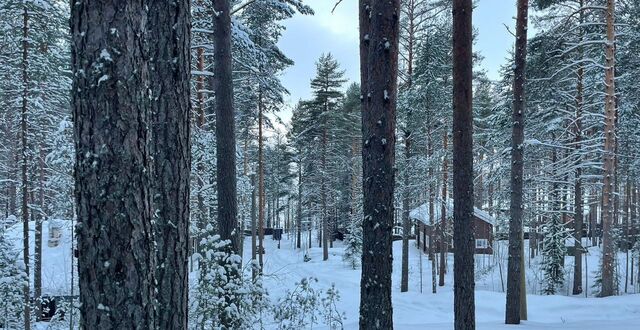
point(413, 309)
point(424, 310)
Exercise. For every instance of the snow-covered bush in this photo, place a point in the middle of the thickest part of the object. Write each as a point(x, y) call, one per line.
point(303, 307)
point(224, 297)
point(353, 249)
point(12, 278)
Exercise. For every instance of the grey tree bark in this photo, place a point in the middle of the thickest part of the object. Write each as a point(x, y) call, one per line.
point(379, 29)
point(169, 29)
point(112, 130)
point(225, 126)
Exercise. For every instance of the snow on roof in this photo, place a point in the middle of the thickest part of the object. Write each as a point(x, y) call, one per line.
point(421, 213)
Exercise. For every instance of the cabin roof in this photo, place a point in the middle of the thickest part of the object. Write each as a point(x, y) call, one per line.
point(421, 213)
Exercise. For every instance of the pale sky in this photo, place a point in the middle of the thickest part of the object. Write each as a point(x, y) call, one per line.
point(307, 37)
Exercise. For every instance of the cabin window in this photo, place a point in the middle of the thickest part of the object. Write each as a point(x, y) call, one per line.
point(482, 243)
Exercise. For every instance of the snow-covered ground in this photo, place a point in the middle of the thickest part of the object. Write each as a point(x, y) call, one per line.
point(56, 261)
point(425, 310)
point(415, 309)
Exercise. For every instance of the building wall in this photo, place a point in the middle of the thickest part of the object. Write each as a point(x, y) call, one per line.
point(482, 230)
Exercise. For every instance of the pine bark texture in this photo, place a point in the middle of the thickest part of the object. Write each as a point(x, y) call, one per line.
point(608, 190)
point(112, 128)
point(463, 264)
point(225, 126)
point(169, 28)
point(379, 29)
point(516, 249)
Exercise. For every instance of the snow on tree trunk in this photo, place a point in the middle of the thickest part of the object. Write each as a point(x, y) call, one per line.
point(379, 29)
point(112, 134)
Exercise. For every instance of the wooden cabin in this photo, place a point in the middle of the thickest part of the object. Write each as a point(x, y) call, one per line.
point(429, 227)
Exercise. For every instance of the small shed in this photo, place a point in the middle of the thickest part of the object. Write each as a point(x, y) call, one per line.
point(430, 228)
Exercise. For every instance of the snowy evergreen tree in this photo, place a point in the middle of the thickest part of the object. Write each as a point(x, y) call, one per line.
point(11, 278)
point(353, 248)
point(223, 301)
point(553, 256)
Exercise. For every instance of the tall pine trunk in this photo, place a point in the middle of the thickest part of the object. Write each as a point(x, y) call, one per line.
point(578, 201)
point(225, 127)
point(323, 188)
point(23, 163)
point(515, 269)
point(463, 263)
point(169, 72)
point(608, 249)
point(40, 217)
point(112, 122)
point(379, 29)
point(260, 183)
point(432, 197)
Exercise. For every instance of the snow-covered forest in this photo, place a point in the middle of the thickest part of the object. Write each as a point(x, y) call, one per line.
point(155, 174)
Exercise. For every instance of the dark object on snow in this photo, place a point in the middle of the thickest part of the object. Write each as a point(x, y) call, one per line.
point(268, 231)
point(339, 233)
point(48, 308)
point(306, 258)
point(277, 234)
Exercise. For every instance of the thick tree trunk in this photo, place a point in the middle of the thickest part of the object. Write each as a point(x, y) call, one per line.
point(169, 27)
point(608, 249)
point(463, 264)
point(225, 127)
point(23, 161)
point(515, 271)
point(112, 122)
point(227, 206)
point(379, 29)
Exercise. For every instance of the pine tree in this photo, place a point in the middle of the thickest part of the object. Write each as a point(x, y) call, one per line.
point(12, 276)
point(463, 211)
point(379, 30)
point(516, 309)
point(112, 131)
point(553, 254)
point(171, 148)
